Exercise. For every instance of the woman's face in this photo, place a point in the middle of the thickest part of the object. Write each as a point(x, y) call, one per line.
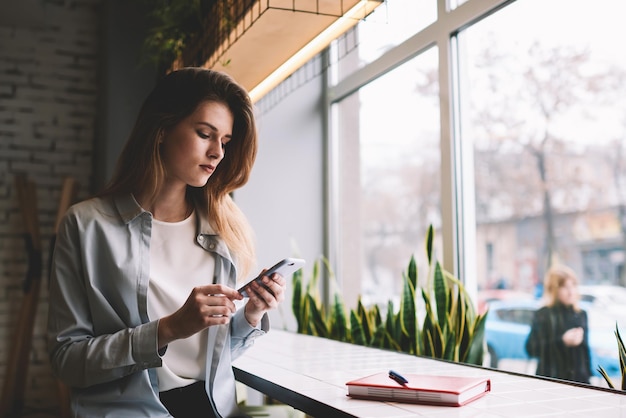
point(567, 293)
point(192, 149)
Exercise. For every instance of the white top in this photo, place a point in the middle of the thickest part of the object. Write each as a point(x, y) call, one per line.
point(177, 265)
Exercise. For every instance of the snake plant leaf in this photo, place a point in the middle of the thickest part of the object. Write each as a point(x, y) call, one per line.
point(317, 324)
point(442, 298)
point(411, 272)
point(461, 319)
point(312, 287)
point(428, 308)
point(375, 319)
point(430, 238)
point(378, 337)
point(429, 346)
point(382, 339)
point(451, 329)
point(464, 337)
point(394, 345)
point(339, 323)
point(622, 355)
point(376, 316)
point(476, 349)
point(357, 329)
point(305, 324)
point(450, 348)
point(408, 316)
point(604, 374)
point(390, 322)
point(296, 301)
point(363, 318)
point(433, 336)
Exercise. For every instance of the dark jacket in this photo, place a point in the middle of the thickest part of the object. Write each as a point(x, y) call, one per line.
point(545, 343)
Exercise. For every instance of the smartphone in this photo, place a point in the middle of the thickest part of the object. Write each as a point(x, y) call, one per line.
point(284, 267)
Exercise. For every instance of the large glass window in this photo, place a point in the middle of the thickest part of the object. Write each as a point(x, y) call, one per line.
point(543, 99)
point(391, 23)
point(389, 170)
point(516, 108)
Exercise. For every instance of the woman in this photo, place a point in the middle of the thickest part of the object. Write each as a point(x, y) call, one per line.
point(142, 318)
point(559, 332)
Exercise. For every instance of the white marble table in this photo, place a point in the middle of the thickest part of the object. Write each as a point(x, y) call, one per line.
point(309, 373)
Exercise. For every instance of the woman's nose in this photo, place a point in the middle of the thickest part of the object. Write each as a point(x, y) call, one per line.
point(216, 150)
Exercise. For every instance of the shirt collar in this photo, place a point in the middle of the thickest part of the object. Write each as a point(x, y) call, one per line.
point(128, 207)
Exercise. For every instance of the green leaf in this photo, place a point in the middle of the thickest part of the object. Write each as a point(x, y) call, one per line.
point(430, 239)
point(316, 322)
point(622, 355)
point(357, 329)
point(378, 339)
point(365, 320)
point(312, 288)
point(451, 329)
point(604, 374)
point(442, 297)
point(296, 301)
point(476, 349)
point(411, 273)
point(408, 316)
point(392, 327)
point(339, 326)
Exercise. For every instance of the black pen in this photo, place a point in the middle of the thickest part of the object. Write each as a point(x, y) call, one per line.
point(398, 378)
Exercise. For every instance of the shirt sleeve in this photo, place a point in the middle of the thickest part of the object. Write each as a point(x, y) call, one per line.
point(78, 356)
point(243, 334)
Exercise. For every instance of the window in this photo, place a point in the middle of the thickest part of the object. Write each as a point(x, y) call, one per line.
point(515, 108)
point(388, 132)
point(542, 106)
point(387, 27)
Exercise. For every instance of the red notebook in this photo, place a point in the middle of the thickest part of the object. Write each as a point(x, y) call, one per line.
point(424, 389)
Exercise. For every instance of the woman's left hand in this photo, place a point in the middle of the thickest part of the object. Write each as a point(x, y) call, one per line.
point(262, 299)
point(573, 337)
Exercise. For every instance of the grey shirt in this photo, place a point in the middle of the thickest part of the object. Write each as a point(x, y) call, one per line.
point(101, 342)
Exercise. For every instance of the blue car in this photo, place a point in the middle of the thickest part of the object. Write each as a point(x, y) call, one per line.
point(508, 325)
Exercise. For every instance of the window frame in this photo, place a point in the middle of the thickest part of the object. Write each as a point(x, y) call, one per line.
point(457, 198)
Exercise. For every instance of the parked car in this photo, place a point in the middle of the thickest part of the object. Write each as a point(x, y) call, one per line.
point(486, 296)
point(608, 299)
point(508, 325)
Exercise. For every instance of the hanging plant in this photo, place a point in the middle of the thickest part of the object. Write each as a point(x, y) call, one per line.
point(173, 24)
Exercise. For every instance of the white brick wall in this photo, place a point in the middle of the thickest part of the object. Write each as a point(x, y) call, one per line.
point(48, 93)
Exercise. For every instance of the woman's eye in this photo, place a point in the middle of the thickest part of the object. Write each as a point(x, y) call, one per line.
point(204, 135)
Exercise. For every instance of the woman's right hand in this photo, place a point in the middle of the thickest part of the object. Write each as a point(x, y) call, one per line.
point(573, 337)
point(206, 306)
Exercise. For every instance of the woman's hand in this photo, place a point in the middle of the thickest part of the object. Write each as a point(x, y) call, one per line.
point(261, 299)
point(206, 306)
point(573, 336)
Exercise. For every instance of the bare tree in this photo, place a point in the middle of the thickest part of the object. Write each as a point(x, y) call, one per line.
point(522, 113)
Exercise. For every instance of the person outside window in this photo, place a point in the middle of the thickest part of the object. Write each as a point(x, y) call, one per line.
point(143, 320)
point(559, 333)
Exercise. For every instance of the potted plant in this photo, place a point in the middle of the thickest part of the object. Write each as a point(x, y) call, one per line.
point(450, 328)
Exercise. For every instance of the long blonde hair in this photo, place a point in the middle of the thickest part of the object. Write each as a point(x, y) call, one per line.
point(555, 278)
point(140, 166)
